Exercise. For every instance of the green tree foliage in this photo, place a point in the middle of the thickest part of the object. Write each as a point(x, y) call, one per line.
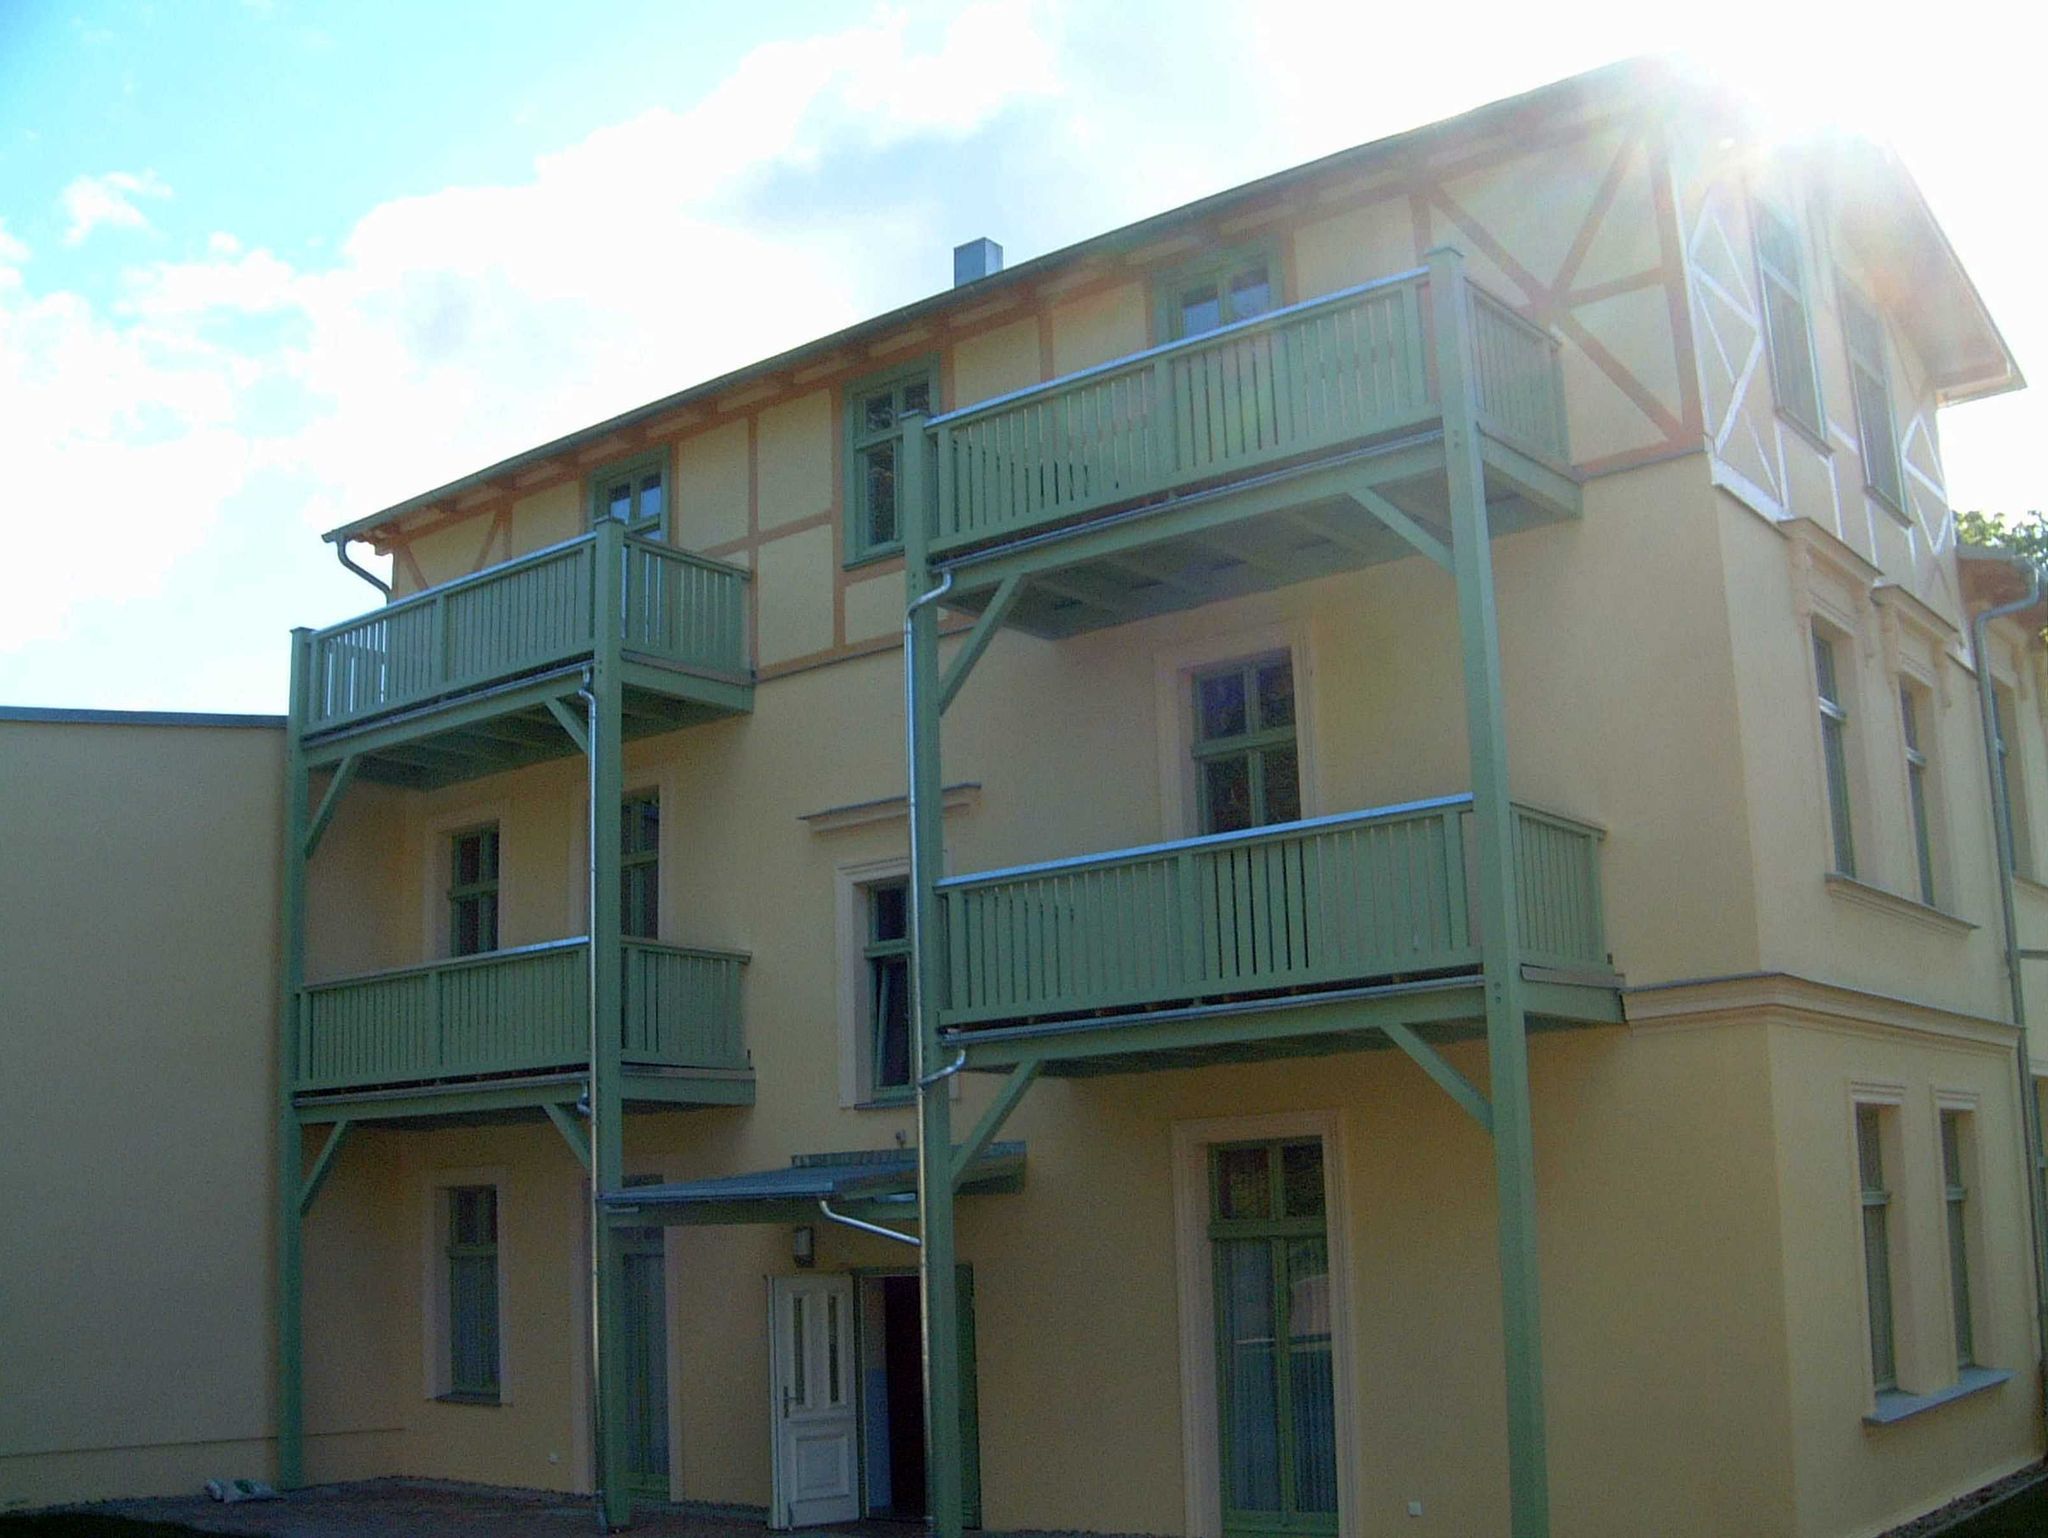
point(2020, 534)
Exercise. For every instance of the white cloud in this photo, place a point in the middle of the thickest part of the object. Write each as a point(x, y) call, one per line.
point(93, 202)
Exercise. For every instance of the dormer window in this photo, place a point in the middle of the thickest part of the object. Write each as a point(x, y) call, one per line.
point(634, 492)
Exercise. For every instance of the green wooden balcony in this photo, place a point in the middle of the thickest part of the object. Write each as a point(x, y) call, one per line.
point(452, 682)
point(525, 1012)
point(1344, 902)
point(1274, 423)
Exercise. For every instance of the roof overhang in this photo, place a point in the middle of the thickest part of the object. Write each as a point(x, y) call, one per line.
point(1583, 95)
point(1885, 217)
point(868, 1185)
point(1993, 577)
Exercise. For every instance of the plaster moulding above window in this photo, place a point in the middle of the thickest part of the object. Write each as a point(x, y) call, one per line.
point(963, 796)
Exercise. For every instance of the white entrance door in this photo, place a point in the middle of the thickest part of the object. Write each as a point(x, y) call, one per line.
point(817, 1468)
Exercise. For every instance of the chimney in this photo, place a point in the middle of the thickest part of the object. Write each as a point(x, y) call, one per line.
point(977, 259)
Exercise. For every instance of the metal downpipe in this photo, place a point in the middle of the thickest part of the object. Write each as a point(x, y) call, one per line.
point(594, 1378)
point(341, 554)
point(2002, 848)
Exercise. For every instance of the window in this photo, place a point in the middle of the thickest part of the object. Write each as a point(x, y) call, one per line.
point(886, 1003)
point(1877, 1252)
point(875, 411)
point(640, 866)
point(1957, 1195)
point(1834, 746)
point(1795, 379)
point(473, 1293)
point(2012, 776)
point(634, 491)
point(1917, 792)
point(1271, 1259)
point(1247, 766)
point(473, 891)
point(1875, 428)
point(1217, 292)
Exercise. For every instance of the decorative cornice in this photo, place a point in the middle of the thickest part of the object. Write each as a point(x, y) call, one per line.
point(962, 797)
point(1785, 998)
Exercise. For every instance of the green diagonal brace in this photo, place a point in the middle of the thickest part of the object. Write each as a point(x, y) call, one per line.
point(567, 719)
point(321, 1165)
point(998, 1112)
point(571, 1130)
point(343, 773)
point(1394, 518)
point(984, 631)
point(1452, 1082)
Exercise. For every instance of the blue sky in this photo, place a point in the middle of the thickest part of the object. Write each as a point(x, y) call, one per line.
point(265, 266)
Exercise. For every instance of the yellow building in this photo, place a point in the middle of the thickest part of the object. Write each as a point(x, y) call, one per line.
point(1455, 947)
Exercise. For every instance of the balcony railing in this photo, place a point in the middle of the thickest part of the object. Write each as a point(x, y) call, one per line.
point(1345, 368)
point(1333, 901)
point(522, 617)
point(518, 1011)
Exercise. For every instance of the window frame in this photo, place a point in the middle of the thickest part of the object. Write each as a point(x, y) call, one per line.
point(1253, 744)
point(459, 892)
point(454, 1249)
point(1795, 287)
point(855, 440)
point(633, 861)
point(1220, 265)
point(1876, 372)
point(1923, 787)
point(633, 467)
point(1837, 748)
point(1877, 1117)
point(877, 952)
point(856, 1033)
point(1955, 1138)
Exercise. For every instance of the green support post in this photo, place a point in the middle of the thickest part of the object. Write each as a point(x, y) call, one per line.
point(1507, 1046)
point(291, 1460)
point(607, 1100)
point(937, 1274)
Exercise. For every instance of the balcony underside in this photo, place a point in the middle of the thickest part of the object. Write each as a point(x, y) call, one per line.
point(509, 725)
point(520, 1097)
point(1206, 543)
point(1356, 1019)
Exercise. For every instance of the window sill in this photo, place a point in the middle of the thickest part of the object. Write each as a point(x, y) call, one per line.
point(1876, 897)
point(1899, 514)
point(1815, 438)
point(891, 1100)
point(872, 557)
point(492, 1401)
point(1893, 1406)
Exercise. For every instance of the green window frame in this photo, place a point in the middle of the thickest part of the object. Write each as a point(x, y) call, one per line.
point(473, 891)
point(885, 967)
point(1217, 290)
point(633, 491)
point(1956, 1200)
point(640, 866)
point(1247, 756)
point(472, 1259)
point(1877, 1248)
point(1788, 323)
point(875, 408)
point(1275, 1364)
point(2019, 846)
point(1877, 430)
point(1917, 792)
point(1834, 745)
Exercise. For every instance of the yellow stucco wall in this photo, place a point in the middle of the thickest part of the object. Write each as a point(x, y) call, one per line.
point(138, 934)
